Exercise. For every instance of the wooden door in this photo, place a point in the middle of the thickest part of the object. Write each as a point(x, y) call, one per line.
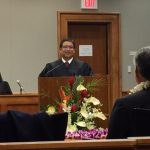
point(84, 34)
point(101, 30)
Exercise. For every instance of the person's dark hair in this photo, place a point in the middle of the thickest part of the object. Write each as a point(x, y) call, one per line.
point(142, 61)
point(68, 40)
point(1, 79)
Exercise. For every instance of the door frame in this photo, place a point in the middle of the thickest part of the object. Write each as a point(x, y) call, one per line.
point(114, 59)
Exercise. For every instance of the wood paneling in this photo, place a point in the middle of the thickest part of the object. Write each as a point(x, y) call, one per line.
point(25, 102)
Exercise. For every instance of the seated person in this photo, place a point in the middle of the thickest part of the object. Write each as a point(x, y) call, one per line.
point(141, 122)
point(4, 87)
point(121, 119)
point(67, 65)
point(18, 126)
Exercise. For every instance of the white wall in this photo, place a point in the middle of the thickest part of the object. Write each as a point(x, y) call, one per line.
point(135, 32)
point(28, 35)
point(28, 38)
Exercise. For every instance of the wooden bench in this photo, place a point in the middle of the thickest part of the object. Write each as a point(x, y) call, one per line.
point(124, 144)
point(142, 143)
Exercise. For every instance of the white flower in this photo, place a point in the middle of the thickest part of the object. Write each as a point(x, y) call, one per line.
point(93, 100)
point(71, 128)
point(84, 112)
point(100, 115)
point(146, 84)
point(140, 87)
point(81, 87)
point(90, 125)
point(81, 124)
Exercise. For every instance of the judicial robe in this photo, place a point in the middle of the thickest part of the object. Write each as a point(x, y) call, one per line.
point(58, 68)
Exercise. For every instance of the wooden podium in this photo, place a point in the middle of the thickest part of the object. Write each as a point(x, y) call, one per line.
point(49, 86)
point(20, 102)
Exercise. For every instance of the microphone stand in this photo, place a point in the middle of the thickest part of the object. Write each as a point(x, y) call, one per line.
point(21, 89)
point(46, 75)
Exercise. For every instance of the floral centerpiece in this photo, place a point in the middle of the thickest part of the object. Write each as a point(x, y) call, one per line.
point(83, 108)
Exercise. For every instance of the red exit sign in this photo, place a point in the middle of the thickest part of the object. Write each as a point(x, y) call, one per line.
point(89, 4)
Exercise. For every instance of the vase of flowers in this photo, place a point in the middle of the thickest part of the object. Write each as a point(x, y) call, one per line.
point(76, 98)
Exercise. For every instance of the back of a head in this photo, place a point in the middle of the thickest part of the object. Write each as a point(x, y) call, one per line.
point(4, 87)
point(1, 79)
point(142, 60)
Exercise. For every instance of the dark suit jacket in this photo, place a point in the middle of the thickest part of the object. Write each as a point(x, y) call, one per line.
point(121, 120)
point(5, 88)
point(58, 68)
point(18, 126)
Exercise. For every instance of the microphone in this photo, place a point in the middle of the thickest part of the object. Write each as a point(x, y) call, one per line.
point(21, 87)
point(48, 72)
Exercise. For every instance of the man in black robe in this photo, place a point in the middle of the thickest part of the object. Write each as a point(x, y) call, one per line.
point(67, 65)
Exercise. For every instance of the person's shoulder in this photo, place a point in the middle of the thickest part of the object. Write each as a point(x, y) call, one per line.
point(134, 99)
point(80, 62)
point(54, 63)
point(127, 98)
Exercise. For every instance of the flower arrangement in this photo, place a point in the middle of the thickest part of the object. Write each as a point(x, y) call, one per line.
point(141, 86)
point(76, 98)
